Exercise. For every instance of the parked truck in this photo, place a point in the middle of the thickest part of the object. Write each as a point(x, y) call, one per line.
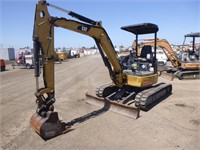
point(24, 60)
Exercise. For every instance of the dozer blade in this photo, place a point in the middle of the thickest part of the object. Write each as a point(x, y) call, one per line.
point(126, 110)
point(49, 126)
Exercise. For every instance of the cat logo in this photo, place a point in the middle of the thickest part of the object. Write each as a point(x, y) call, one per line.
point(83, 28)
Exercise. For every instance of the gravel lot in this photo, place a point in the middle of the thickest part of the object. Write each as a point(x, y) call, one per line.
point(173, 124)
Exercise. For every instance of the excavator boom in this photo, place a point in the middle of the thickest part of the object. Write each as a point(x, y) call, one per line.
point(45, 121)
point(167, 49)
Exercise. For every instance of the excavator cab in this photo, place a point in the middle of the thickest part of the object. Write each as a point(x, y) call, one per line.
point(191, 54)
point(146, 62)
point(189, 59)
point(140, 72)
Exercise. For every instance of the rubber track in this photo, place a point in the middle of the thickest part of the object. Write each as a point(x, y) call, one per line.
point(182, 75)
point(100, 89)
point(145, 98)
point(150, 96)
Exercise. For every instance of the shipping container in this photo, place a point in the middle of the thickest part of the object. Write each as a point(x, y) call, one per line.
point(7, 53)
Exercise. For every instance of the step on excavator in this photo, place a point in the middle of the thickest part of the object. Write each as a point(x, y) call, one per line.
point(186, 65)
point(133, 84)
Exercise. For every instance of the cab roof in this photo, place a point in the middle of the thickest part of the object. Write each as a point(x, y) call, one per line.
point(196, 34)
point(143, 28)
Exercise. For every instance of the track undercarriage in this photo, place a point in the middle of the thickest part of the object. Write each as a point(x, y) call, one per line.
point(129, 97)
point(183, 75)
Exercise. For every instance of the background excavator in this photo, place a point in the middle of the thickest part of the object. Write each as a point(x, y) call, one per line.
point(186, 65)
point(133, 80)
point(195, 51)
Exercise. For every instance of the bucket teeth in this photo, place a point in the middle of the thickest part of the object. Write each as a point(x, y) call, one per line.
point(49, 126)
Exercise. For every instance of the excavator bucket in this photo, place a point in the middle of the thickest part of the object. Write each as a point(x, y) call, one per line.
point(49, 126)
point(120, 108)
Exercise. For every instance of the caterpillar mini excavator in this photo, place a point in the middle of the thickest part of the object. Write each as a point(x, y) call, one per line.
point(184, 66)
point(131, 83)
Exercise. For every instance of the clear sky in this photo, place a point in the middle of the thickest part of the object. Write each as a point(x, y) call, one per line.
point(175, 18)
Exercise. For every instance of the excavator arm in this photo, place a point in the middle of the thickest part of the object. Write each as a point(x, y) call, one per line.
point(167, 49)
point(43, 39)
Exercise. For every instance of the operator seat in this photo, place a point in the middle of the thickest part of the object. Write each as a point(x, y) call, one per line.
point(145, 59)
point(145, 51)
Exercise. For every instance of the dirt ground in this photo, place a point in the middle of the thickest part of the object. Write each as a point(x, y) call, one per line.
point(172, 124)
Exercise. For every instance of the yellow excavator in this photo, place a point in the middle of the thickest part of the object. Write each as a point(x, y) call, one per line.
point(133, 80)
point(186, 65)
